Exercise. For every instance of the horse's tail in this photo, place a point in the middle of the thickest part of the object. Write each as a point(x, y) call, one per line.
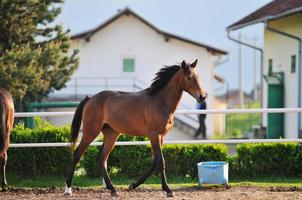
point(2, 126)
point(76, 123)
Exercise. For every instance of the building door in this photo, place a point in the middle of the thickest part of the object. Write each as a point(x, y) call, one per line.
point(275, 125)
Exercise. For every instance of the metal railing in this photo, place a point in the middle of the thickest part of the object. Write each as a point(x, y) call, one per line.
point(82, 86)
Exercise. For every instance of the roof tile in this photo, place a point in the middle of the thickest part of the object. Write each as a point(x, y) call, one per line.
point(275, 7)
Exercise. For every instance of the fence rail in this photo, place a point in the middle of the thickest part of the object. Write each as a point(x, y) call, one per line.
point(209, 111)
point(132, 143)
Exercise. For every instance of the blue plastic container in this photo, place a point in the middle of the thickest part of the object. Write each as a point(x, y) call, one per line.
point(216, 172)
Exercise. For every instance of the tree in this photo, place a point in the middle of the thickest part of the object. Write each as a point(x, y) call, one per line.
point(34, 53)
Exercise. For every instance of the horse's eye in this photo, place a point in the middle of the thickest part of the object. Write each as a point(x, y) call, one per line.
point(189, 77)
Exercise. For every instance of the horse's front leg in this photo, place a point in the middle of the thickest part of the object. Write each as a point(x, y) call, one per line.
point(3, 161)
point(157, 162)
point(162, 168)
point(155, 143)
point(164, 183)
point(154, 164)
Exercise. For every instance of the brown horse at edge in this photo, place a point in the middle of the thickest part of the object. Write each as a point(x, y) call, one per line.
point(149, 112)
point(6, 125)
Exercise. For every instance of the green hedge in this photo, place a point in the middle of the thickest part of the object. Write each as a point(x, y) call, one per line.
point(251, 160)
point(132, 161)
point(46, 161)
point(267, 159)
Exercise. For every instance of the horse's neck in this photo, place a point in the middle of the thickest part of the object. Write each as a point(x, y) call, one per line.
point(170, 95)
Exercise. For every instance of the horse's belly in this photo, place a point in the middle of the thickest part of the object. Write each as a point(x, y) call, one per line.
point(139, 125)
point(129, 127)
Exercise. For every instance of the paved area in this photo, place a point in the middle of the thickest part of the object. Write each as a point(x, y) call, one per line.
point(176, 134)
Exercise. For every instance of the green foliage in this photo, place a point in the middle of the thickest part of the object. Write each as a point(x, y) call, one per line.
point(132, 161)
point(267, 159)
point(132, 138)
point(251, 160)
point(237, 125)
point(46, 161)
point(34, 57)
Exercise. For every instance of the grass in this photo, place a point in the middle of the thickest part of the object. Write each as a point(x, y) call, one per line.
point(175, 182)
point(84, 181)
point(237, 125)
point(269, 181)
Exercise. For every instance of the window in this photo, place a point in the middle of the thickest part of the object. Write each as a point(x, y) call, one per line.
point(128, 65)
point(293, 64)
point(270, 66)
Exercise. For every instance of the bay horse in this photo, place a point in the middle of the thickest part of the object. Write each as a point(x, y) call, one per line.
point(6, 125)
point(149, 112)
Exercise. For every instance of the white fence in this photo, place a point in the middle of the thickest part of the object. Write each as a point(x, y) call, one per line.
point(208, 111)
point(131, 143)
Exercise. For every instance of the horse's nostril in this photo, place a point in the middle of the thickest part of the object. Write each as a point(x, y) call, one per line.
point(202, 98)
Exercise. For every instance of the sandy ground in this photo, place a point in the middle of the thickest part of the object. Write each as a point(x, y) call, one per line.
point(238, 192)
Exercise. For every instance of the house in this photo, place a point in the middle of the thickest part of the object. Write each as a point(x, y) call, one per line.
point(232, 98)
point(281, 71)
point(124, 53)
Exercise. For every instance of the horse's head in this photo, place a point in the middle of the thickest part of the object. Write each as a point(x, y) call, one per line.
point(191, 82)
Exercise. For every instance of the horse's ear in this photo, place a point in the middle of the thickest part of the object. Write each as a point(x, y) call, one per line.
point(183, 64)
point(194, 63)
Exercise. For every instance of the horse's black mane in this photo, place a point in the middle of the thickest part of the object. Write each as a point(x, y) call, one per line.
point(162, 78)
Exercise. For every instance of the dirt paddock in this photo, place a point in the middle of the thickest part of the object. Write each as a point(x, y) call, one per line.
point(235, 192)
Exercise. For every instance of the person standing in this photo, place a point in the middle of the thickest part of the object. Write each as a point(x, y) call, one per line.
point(202, 129)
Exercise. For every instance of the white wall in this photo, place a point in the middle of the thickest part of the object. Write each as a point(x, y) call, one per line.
point(280, 49)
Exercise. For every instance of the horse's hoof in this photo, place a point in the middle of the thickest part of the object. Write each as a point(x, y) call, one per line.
point(114, 194)
point(68, 191)
point(4, 189)
point(170, 194)
point(131, 187)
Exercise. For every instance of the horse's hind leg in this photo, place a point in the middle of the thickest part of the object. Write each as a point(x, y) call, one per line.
point(77, 154)
point(110, 137)
point(3, 161)
point(85, 141)
point(3, 146)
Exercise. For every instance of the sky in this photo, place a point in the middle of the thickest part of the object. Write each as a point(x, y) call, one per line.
point(204, 21)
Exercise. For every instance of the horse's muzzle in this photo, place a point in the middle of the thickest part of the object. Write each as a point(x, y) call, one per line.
point(202, 98)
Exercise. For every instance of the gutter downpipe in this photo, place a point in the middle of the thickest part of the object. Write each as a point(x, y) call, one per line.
point(299, 68)
point(261, 66)
point(218, 63)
